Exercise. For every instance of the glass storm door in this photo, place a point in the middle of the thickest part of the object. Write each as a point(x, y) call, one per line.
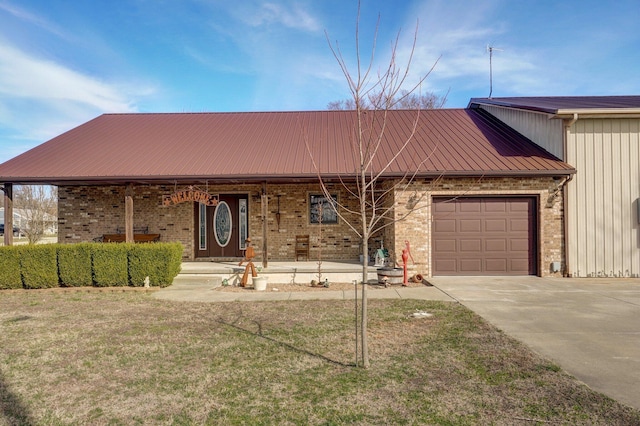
point(222, 230)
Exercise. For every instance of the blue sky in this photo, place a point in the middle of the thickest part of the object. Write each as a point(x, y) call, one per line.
point(63, 63)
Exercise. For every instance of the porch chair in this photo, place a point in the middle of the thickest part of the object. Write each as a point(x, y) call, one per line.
point(302, 246)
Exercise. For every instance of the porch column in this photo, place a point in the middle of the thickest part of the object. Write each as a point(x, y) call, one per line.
point(265, 210)
point(128, 214)
point(8, 214)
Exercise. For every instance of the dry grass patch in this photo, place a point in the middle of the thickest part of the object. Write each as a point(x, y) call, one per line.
point(125, 358)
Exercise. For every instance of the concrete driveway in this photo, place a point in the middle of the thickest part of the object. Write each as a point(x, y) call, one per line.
point(590, 327)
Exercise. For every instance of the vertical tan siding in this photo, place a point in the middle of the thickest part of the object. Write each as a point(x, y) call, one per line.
point(603, 198)
point(535, 126)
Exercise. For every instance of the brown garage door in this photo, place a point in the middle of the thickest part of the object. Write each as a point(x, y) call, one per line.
point(484, 236)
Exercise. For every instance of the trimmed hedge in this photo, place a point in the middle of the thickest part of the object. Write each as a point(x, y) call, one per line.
point(74, 264)
point(84, 264)
point(110, 264)
point(10, 267)
point(39, 266)
point(160, 263)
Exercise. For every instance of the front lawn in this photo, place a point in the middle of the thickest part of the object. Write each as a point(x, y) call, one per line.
point(85, 356)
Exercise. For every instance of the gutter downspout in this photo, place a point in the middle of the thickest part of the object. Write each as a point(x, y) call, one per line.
point(565, 198)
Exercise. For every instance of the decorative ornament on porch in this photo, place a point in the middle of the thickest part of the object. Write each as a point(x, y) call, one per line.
point(192, 193)
point(249, 254)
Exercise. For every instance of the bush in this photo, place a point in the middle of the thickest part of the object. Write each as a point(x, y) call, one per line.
point(159, 261)
point(74, 264)
point(39, 266)
point(110, 264)
point(10, 267)
point(101, 265)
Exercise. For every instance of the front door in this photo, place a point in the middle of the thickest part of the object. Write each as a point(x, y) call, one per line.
point(221, 230)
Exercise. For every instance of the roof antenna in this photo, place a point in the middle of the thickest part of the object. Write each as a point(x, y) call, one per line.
point(490, 49)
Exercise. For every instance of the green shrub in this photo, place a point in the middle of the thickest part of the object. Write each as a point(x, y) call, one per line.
point(159, 261)
point(74, 264)
point(109, 262)
point(10, 267)
point(101, 265)
point(39, 266)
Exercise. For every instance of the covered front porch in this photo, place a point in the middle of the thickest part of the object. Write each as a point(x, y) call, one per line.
point(277, 272)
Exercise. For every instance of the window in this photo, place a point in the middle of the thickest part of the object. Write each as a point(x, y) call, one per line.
point(244, 228)
point(323, 209)
point(222, 225)
point(203, 225)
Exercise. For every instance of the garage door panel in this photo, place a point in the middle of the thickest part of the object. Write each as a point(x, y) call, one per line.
point(495, 206)
point(520, 265)
point(519, 205)
point(446, 246)
point(445, 225)
point(470, 225)
point(495, 245)
point(484, 236)
point(519, 245)
point(497, 266)
point(468, 206)
point(444, 207)
point(473, 246)
point(519, 225)
point(495, 225)
point(471, 265)
point(446, 266)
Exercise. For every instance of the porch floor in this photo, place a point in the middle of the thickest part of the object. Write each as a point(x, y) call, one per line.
point(279, 272)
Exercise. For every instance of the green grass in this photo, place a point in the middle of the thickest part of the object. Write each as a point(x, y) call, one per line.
point(89, 357)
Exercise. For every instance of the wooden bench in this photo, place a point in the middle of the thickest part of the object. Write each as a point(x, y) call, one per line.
point(138, 238)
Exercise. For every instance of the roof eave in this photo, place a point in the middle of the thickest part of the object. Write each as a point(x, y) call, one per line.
point(121, 180)
point(597, 113)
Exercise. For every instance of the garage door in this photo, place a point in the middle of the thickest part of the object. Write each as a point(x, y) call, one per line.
point(484, 236)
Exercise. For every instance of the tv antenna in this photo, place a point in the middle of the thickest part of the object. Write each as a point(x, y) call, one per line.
point(490, 49)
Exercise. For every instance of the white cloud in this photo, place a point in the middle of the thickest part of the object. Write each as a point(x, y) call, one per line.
point(24, 76)
point(291, 15)
point(40, 99)
point(32, 19)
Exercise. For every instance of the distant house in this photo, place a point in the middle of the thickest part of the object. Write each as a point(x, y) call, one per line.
point(600, 137)
point(21, 218)
point(493, 199)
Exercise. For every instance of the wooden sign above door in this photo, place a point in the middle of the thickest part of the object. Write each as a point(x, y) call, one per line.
point(187, 195)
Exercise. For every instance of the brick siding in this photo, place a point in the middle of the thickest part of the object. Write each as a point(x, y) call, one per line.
point(87, 212)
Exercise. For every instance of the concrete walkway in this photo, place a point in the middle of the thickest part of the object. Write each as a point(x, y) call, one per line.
point(590, 327)
point(190, 288)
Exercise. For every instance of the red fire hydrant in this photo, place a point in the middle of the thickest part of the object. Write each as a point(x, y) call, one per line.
point(406, 254)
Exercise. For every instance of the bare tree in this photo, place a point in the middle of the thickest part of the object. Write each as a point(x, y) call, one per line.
point(404, 100)
point(373, 95)
point(37, 206)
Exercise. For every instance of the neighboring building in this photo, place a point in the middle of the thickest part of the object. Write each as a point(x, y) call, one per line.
point(489, 201)
point(600, 137)
point(21, 219)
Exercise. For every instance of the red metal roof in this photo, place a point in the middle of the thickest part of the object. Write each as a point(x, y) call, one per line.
point(556, 104)
point(251, 146)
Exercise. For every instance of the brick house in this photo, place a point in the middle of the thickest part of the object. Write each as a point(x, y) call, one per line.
point(486, 200)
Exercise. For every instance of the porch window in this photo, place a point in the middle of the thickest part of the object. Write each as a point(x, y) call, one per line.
point(244, 229)
point(222, 224)
point(321, 207)
point(202, 218)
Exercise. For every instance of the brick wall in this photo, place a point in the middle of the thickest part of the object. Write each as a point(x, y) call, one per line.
point(87, 212)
